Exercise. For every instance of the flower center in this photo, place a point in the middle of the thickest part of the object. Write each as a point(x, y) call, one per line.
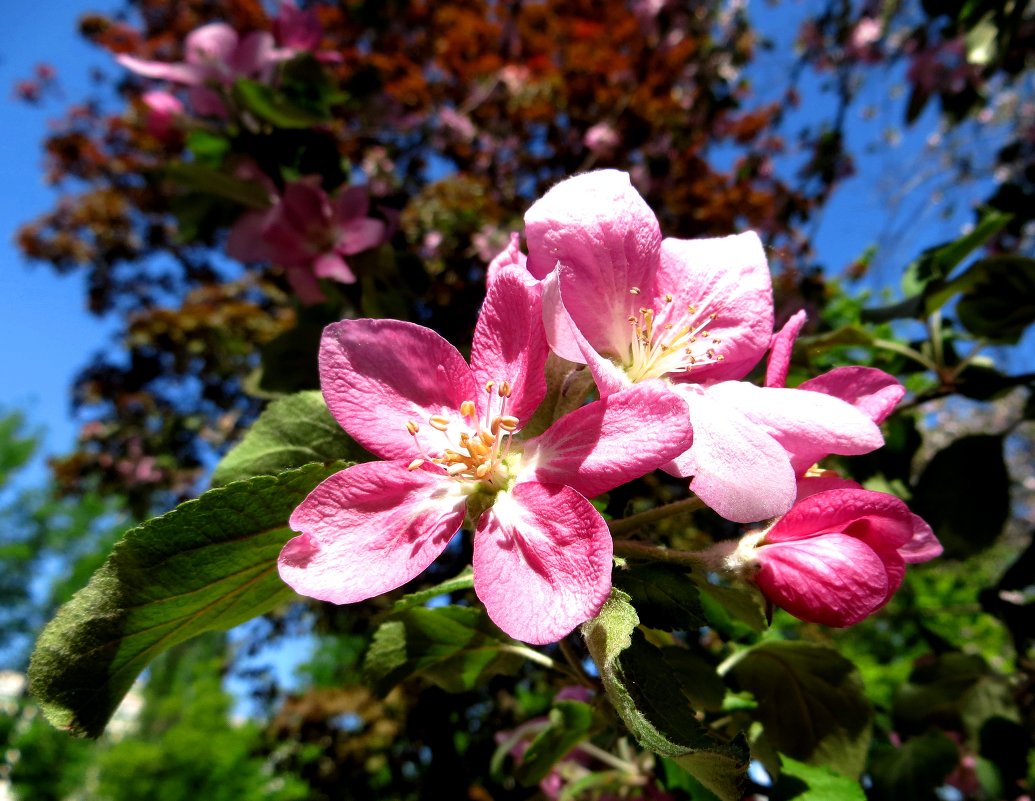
point(479, 449)
point(672, 347)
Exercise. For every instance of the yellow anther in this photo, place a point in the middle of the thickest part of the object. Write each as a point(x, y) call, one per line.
point(668, 298)
point(457, 469)
point(439, 422)
point(489, 386)
point(494, 426)
point(412, 427)
point(414, 464)
point(467, 408)
point(507, 422)
point(634, 290)
point(488, 440)
point(482, 470)
point(504, 390)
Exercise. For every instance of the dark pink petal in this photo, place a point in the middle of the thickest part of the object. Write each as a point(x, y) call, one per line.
point(738, 469)
point(298, 29)
point(186, 74)
point(305, 285)
point(564, 338)
point(876, 517)
point(610, 441)
point(510, 345)
point(871, 391)
point(369, 529)
point(245, 241)
point(510, 256)
point(206, 102)
point(809, 425)
point(542, 562)
point(359, 235)
point(781, 349)
point(333, 266)
point(377, 375)
point(834, 580)
point(305, 206)
point(922, 546)
point(351, 204)
point(810, 485)
point(254, 55)
point(728, 277)
point(210, 43)
point(605, 240)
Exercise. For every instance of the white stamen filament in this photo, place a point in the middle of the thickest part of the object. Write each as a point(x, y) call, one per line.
point(659, 351)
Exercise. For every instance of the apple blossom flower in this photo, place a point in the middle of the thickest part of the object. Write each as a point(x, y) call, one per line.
point(838, 555)
point(601, 139)
point(696, 313)
point(164, 111)
point(447, 431)
point(309, 235)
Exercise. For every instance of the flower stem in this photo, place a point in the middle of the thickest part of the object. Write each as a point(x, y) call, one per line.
point(706, 560)
point(633, 522)
point(608, 758)
point(905, 350)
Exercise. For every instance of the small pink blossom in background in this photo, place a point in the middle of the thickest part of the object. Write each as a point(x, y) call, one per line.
point(863, 40)
point(459, 124)
point(696, 314)
point(164, 110)
point(446, 430)
point(515, 77)
point(943, 68)
point(309, 235)
point(601, 139)
point(839, 554)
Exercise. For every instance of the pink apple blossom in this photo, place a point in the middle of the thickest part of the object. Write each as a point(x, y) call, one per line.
point(838, 555)
point(697, 313)
point(164, 112)
point(309, 235)
point(447, 432)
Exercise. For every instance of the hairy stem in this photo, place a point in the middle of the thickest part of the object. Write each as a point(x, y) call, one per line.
point(633, 522)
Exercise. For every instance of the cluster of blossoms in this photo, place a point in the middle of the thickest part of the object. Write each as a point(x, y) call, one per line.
point(303, 231)
point(668, 329)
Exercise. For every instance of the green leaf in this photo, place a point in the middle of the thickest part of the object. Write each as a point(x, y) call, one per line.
point(464, 580)
point(801, 782)
point(455, 647)
point(913, 771)
point(811, 702)
point(568, 385)
point(197, 177)
point(273, 106)
point(653, 708)
point(999, 300)
point(732, 611)
point(208, 148)
point(209, 564)
point(663, 596)
point(290, 432)
point(964, 494)
point(571, 722)
point(847, 335)
point(937, 262)
point(695, 677)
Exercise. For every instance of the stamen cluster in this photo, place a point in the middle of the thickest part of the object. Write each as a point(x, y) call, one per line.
point(657, 351)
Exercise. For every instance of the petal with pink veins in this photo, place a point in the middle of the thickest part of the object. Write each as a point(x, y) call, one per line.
point(834, 580)
point(738, 469)
point(728, 277)
point(510, 344)
point(780, 350)
point(542, 561)
point(187, 74)
point(874, 516)
point(871, 391)
point(377, 375)
point(605, 240)
point(369, 529)
point(809, 425)
point(608, 442)
point(359, 235)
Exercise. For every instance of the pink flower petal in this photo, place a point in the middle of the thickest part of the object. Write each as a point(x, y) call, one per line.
point(738, 469)
point(254, 55)
point(809, 425)
point(510, 345)
point(359, 235)
point(186, 74)
point(727, 277)
point(352, 204)
point(333, 266)
point(245, 241)
point(377, 375)
point(297, 29)
point(207, 102)
point(211, 44)
point(542, 561)
point(876, 517)
point(834, 580)
point(810, 485)
point(510, 256)
point(305, 285)
point(369, 529)
point(871, 391)
point(922, 546)
point(610, 441)
point(606, 240)
point(781, 348)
